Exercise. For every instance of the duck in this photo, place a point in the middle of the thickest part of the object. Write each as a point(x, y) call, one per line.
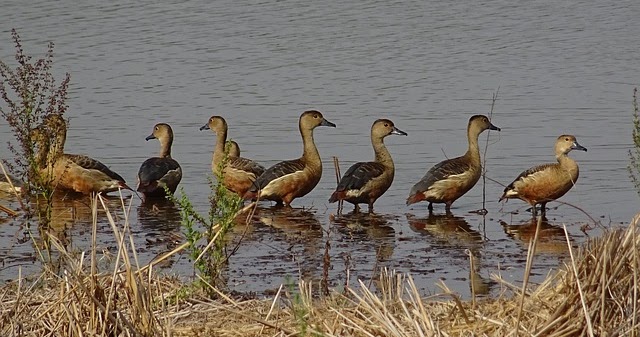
point(156, 173)
point(547, 182)
point(291, 179)
point(71, 172)
point(233, 148)
point(452, 178)
point(238, 174)
point(365, 182)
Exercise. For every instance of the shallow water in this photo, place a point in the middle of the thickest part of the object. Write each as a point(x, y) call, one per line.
point(428, 66)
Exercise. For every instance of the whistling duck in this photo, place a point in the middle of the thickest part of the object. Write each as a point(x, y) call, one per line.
point(292, 179)
point(156, 173)
point(234, 149)
point(544, 183)
point(238, 173)
point(365, 182)
point(72, 172)
point(452, 178)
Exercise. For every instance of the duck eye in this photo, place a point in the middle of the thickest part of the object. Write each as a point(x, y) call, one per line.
point(386, 124)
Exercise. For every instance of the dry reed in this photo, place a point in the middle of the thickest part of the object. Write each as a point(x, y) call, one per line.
point(594, 293)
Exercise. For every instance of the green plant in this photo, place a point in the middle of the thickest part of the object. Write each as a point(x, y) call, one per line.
point(634, 154)
point(30, 93)
point(210, 255)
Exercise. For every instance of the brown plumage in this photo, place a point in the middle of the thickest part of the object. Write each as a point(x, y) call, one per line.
point(292, 179)
point(156, 173)
point(233, 149)
point(452, 178)
point(365, 182)
point(72, 172)
point(548, 182)
point(238, 173)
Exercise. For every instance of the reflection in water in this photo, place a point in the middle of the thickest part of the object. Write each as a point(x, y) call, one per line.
point(294, 222)
point(368, 227)
point(159, 215)
point(300, 229)
point(551, 238)
point(160, 220)
point(453, 229)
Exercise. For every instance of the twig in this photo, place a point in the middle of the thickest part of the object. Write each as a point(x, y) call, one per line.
point(336, 166)
point(527, 271)
point(575, 272)
point(494, 98)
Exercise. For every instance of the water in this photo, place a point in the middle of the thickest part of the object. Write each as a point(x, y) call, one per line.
point(558, 67)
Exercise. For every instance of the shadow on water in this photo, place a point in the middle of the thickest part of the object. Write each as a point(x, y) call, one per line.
point(451, 231)
point(447, 229)
point(367, 229)
point(551, 239)
point(291, 235)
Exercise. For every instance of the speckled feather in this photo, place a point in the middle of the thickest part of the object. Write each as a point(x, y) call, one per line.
point(276, 171)
point(359, 175)
point(92, 164)
point(441, 171)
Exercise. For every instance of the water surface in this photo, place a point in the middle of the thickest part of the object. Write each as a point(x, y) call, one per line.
point(561, 67)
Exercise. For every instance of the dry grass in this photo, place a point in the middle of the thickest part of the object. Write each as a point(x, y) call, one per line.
point(595, 293)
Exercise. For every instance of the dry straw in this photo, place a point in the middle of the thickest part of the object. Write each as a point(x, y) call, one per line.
point(594, 293)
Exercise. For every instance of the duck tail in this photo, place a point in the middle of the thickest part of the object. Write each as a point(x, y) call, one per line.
point(415, 197)
point(337, 195)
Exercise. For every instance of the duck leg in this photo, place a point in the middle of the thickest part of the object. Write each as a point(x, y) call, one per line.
point(370, 207)
point(430, 207)
point(356, 208)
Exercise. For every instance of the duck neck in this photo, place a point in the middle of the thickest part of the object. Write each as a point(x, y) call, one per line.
point(473, 152)
point(165, 147)
point(382, 154)
point(310, 153)
point(567, 162)
point(57, 145)
point(218, 152)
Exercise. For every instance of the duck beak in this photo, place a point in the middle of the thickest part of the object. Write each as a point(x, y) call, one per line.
point(327, 123)
point(493, 127)
point(205, 127)
point(151, 136)
point(397, 131)
point(576, 146)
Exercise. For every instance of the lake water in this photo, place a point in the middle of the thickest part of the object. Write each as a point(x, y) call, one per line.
point(559, 67)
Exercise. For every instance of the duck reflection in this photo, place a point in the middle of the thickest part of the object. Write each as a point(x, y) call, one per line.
point(455, 230)
point(551, 238)
point(71, 216)
point(291, 235)
point(160, 220)
point(368, 227)
point(295, 223)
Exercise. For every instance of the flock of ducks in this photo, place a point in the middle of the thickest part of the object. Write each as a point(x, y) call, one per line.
point(363, 182)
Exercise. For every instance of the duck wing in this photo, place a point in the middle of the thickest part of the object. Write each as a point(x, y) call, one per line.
point(247, 165)
point(359, 174)
point(530, 173)
point(89, 163)
point(277, 171)
point(156, 168)
point(441, 171)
